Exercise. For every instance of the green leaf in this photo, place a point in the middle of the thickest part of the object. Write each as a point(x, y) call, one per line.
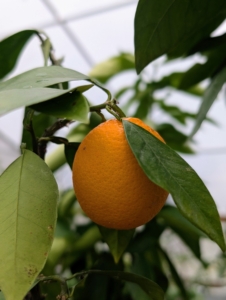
point(28, 204)
point(15, 98)
point(175, 112)
point(107, 69)
point(42, 77)
point(117, 240)
point(174, 138)
point(199, 72)
point(69, 150)
point(87, 239)
point(147, 264)
point(208, 99)
point(39, 122)
point(178, 280)
point(70, 106)
point(168, 26)
point(167, 169)
point(67, 200)
point(150, 287)
point(2, 296)
point(209, 44)
point(187, 231)
point(46, 47)
point(10, 49)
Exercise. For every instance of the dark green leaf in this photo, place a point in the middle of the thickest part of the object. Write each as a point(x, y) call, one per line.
point(208, 44)
point(178, 280)
point(70, 106)
point(107, 69)
point(208, 99)
point(10, 49)
point(167, 169)
point(146, 257)
point(150, 287)
point(69, 151)
point(215, 60)
point(173, 26)
point(117, 240)
point(187, 231)
point(147, 264)
point(42, 77)
point(28, 212)
point(99, 285)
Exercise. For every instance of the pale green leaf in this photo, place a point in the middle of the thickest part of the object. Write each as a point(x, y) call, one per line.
point(106, 69)
point(46, 47)
point(42, 77)
point(117, 240)
point(15, 98)
point(28, 206)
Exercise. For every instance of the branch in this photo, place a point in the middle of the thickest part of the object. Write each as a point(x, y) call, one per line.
point(49, 132)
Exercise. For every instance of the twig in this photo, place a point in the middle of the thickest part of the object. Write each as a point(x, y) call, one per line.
point(49, 132)
point(52, 58)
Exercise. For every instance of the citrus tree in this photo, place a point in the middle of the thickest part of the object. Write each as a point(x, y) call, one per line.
point(122, 169)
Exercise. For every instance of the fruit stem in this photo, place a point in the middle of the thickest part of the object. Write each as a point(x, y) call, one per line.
point(111, 107)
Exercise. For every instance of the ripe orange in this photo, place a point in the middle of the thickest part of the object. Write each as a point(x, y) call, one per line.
point(110, 186)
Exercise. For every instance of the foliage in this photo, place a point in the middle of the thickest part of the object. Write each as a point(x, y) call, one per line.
point(59, 256)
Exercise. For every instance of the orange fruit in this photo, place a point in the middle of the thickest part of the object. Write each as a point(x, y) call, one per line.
point(110, 186)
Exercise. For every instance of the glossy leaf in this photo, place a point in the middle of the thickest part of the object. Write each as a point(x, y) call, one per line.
point(150, 287)
point(117, 240)
point(15, 98)
point(209, 96)
point(28, 201)
point(167, 169)
point(187, 231)
point(168, 26)
point(69, 150)
point(107, 69)
point(10, 49)
point(42, 77)
point(72, 106)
